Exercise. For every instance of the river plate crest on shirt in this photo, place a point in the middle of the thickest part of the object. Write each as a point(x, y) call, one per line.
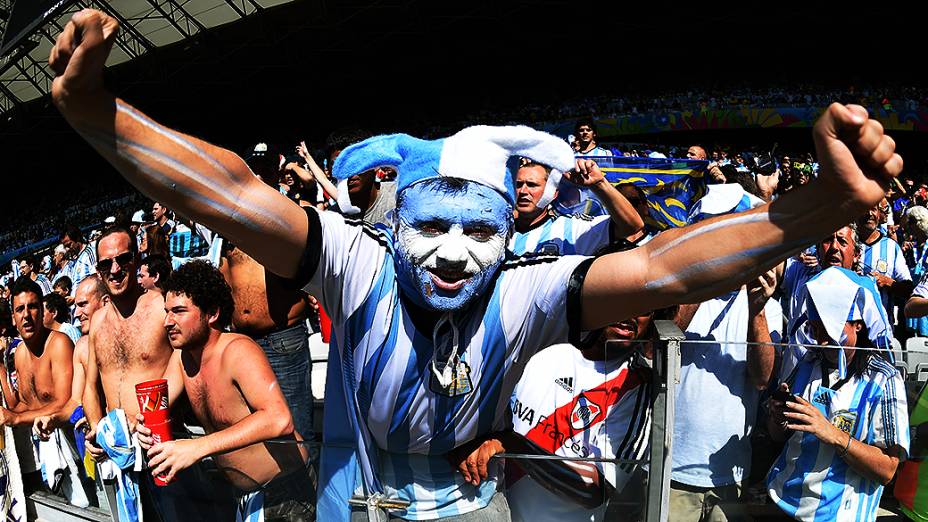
point(584, 413)
point(844, 420)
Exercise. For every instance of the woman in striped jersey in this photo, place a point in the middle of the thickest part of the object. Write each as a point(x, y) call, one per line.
point(841, 411)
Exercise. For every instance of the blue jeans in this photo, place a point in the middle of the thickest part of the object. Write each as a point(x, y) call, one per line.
point(288, 352)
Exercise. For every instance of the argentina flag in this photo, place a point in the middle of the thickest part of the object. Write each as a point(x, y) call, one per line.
point(671, 186)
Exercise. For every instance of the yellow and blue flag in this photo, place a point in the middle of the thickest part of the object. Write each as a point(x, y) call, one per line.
point(671, 186)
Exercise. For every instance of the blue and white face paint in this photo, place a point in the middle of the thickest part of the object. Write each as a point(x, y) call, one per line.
point(450, 242)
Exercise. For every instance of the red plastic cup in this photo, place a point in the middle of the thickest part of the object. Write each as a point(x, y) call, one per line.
point(325, 324)
point(153, 404)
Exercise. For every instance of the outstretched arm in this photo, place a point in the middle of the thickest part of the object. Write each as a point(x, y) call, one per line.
point(209, 184)
point(698, 262)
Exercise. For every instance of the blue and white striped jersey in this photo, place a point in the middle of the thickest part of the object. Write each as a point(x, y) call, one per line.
point(795, 276)
point(887, 258)
point(921, 289)
point(595, 151)
point(83, 265)
point(185, 242)
point(43, 283)
point(564, 235)
point(385, 345)
point(809, 481)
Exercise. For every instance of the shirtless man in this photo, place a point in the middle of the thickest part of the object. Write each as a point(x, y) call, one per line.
point(234, 394)
point(274, 315)
point(127, 344)
point(40, 381)
point(89, 297)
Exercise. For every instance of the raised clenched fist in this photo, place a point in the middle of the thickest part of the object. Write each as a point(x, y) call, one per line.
point(79, 55)
point(858, 161)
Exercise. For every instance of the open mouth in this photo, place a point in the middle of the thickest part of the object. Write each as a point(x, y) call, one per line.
point(448, 280)
point(626, 329)
point(834, 261)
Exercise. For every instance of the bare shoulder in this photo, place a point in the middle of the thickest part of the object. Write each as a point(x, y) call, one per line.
point(151, 301)
point(234, 344)
point(239, 350)
point(58, 341)
point(80, 349)
point(99, 318)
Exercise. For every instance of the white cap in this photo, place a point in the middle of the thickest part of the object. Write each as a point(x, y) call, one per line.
point(139, 216)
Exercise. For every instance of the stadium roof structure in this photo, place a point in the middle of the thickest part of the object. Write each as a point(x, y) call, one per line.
point(146, 26)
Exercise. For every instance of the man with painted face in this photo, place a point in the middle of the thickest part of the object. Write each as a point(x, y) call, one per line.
point(432, 322)
point(537, 229)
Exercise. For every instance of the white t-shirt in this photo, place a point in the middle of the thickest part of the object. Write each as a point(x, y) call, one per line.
point(716, 403)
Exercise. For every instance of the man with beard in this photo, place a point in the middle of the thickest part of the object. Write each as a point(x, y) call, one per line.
point(431, 318)
point(234, 395)
point(590, 402)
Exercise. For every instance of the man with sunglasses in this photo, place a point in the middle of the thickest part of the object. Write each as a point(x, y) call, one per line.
point(127, 341)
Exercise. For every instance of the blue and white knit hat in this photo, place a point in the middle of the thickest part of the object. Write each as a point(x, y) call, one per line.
point(837, 295)
point(479, 154)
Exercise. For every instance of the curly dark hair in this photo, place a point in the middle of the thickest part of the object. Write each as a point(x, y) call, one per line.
point(205, 286)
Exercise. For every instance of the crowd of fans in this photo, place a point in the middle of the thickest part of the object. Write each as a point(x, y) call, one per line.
point(750, 413)
point(887, 99)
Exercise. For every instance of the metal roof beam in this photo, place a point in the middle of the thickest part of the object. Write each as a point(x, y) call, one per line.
point(242, 10)
point(8, 100)
point(179, 18)
point(129, 39)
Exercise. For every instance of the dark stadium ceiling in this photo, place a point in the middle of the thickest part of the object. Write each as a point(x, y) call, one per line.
point(147, 26)
point(235, 71)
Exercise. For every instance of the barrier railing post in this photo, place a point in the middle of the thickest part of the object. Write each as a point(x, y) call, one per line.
point(666, 374)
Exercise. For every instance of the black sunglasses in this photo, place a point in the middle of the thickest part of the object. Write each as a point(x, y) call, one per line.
point(105, 265)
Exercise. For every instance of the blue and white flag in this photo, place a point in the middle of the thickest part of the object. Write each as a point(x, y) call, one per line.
point(671, 186)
